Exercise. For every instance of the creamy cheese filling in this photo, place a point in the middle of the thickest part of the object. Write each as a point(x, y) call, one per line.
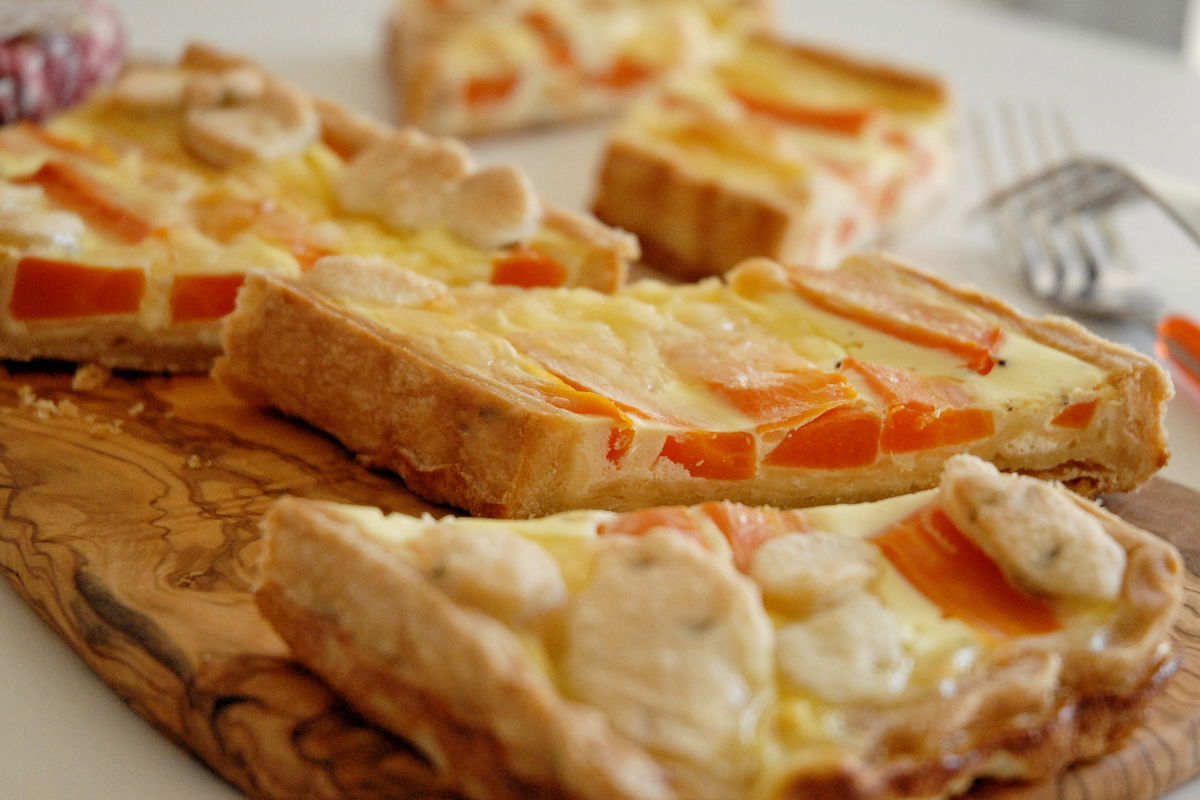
point(657, 350)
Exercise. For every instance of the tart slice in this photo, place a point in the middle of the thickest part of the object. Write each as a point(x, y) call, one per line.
point(129, 223)
point(995, 627)
point(466, 67)
point(783, 150)
point(776, 386)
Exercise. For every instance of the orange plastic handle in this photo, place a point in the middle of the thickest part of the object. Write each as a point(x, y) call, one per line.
point(1179, 343)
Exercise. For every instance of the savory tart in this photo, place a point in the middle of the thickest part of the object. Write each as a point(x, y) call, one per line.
point(467, 67)
point(777, 386)
point(783, 150)
point(129, 223)
point(995, 627)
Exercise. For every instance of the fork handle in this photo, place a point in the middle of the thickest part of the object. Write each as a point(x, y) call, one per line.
point(1179, 343)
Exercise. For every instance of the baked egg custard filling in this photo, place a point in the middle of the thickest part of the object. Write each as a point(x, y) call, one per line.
point(765, 372)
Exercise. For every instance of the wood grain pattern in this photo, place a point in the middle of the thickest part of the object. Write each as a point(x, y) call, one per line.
point(129, 524)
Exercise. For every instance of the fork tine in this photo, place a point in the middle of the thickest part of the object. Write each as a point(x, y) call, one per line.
point(1052, 223)
point(1077, 261)
point(1100, 202)
point(1088, 186)
point(1003, 217)
point(1027, 239)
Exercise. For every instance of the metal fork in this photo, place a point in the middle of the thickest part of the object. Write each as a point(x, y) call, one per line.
point(1053, 223)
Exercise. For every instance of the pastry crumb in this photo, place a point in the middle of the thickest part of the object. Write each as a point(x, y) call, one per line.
point(195, 462)
point(136, 409)
point(44, 408)
point(90, 377)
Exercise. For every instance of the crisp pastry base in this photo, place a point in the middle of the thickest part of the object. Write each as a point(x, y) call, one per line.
point(119, 344)
point(458, 685)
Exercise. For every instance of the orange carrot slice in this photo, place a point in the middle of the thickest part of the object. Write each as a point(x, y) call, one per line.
point(860, 298)
point(792, 396)
point(1076, 415)
point(912, 427)
point(197, 297)
point(89, 198)
point(719, 455)
point(624, 73)
point(894, 385)
point(528, 267)
point(67, 145)
point(960, 578)
point(486, 90)
point(223, 217)
point(841, 121)
point(48, 289)
point(746, 528)
point(842, 438)
point(642, 521)
point(924, 411)
point(555, 42)
point(582, 401)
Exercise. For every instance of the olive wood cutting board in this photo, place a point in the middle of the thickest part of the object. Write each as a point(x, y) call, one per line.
point(130, 525)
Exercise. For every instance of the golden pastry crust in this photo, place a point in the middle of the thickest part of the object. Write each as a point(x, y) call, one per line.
point(476, 436)
point(708, 173)
point(155, 198)
point(464, 689)
point(449, 434)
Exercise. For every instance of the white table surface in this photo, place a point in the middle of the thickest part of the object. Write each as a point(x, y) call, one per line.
point(64, 734)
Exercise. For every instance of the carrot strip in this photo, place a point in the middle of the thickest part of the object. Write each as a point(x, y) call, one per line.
point(960, 578)
point(624, 73)
point(1076, 415)
point(842, 438)
point(719, 455)
point(48, 289)
point(794, 395)
point(841, 121)
point(489, 89)
point(196, 297)
point(746, 528)
point(642, 521)
point(91, 199)
point(911, 427)
point(557, 45)
point(894, 385)
point(528, 267)
point(928, 324)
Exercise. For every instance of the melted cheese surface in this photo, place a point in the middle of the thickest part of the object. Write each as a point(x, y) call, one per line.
point(657, 350)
